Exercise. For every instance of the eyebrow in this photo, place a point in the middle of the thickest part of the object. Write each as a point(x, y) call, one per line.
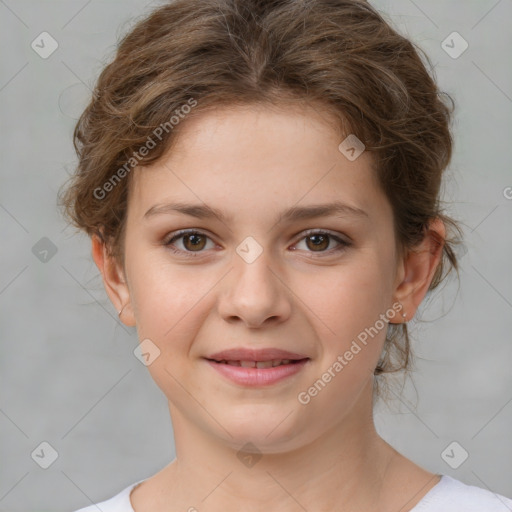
point(294, 213)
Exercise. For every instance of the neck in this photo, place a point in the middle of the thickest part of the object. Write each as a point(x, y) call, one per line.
point(342, 468)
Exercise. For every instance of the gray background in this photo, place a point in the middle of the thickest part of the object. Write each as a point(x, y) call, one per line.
point(69, 376)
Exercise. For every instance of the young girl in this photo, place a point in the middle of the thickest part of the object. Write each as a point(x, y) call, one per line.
point(260, 180)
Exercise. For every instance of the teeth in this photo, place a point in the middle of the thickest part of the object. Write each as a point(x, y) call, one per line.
point(257, 364)
point(264, 364)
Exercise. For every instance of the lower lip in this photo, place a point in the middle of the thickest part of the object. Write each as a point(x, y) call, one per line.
point(257, 376)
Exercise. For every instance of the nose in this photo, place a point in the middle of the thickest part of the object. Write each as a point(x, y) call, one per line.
point(254, 293)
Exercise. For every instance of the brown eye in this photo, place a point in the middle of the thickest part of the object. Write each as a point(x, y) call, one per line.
point(320, 242)
point(192, 242)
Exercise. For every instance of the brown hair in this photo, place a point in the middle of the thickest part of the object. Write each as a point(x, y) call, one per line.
point(337, 54)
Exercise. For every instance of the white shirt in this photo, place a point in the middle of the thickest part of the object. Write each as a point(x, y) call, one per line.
point(448, 495)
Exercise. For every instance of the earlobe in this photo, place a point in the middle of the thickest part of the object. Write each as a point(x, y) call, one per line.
point(419, 267)
point(113, 280)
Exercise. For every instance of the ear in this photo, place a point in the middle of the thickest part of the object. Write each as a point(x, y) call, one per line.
point(418, 268)
point(114, 281)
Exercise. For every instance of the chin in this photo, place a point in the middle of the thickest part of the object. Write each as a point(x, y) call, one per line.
point(270, 432)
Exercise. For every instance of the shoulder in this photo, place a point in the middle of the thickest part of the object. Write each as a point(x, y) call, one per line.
point(452, 495)
point(118, 503)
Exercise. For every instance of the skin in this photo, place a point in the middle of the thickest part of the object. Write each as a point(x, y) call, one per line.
point(253, 163)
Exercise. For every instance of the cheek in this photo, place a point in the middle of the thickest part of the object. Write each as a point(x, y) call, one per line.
point(159, 295)
point(351, 333)
point(347, 306)
point(169, 305)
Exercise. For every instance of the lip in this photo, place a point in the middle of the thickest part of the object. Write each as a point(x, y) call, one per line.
point(257, 377)
point(250, 354)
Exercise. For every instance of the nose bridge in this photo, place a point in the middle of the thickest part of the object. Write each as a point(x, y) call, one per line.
point(253, 269)
point(253, 277)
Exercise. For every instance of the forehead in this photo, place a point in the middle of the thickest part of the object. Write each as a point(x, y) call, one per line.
point(253, 160)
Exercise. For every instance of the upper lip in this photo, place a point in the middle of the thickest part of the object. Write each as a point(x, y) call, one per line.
point(249, 354)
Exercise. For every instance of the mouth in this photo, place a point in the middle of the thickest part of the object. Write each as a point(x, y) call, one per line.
point(271, 363)
point(258, 373)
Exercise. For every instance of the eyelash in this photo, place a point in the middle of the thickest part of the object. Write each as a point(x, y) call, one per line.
point(343, 244)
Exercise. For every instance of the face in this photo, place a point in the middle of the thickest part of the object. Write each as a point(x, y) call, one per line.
point(258, 278)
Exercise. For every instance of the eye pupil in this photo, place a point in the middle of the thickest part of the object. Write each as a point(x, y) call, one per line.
point(319, 241)
point(195, 243)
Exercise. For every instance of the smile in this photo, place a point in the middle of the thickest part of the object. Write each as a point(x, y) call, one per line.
point(258, 373)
